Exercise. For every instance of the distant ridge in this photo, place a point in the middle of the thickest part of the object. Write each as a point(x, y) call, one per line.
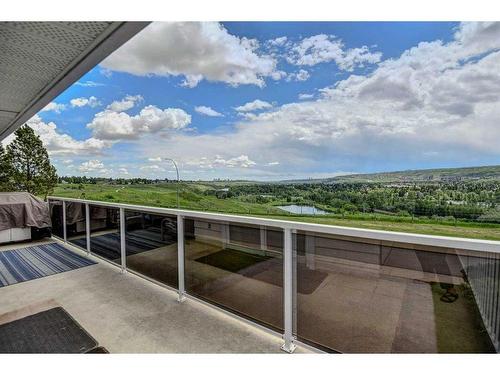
point(421, 175)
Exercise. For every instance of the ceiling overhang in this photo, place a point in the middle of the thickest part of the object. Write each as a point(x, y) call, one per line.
point(39, 60)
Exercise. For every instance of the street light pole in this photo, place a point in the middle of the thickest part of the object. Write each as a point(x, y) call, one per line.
point(178, 180)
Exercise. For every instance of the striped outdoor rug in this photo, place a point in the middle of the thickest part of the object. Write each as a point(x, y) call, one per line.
point(38, 261)
point(137, 241)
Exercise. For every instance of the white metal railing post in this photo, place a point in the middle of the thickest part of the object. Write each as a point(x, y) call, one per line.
point(122, 240)
point(180, 258)
point(87, 226)
point(64, 221)
point(288, 346)
point(294, 278)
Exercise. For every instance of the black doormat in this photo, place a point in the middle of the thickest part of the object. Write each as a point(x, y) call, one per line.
point(50, 331)
point(98, 350)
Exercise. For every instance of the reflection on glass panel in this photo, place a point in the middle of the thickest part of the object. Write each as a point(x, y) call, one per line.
point(482, 273)
point(76, 224)
point(56, 216)
point(151, 246)
point(105, 232)
point(238, 267)
point(365, 296)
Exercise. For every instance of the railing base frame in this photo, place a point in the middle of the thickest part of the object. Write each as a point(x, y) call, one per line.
point(181, 298)
point(289, 348)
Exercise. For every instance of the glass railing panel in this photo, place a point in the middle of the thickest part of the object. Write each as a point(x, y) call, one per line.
point(56, 217)
point(76, 224)
point(483, 276)
point(238, 267)
point(105, 232)
point(362, 296)
point(151, 246)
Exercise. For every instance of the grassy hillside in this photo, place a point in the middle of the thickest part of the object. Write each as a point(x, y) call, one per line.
point(162, 195)
point(421, 175)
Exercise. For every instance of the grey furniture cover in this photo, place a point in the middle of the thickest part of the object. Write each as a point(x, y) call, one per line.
point(21, 209)
point(75, 212)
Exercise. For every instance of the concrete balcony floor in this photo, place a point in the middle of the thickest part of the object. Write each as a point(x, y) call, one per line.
point(127, 314)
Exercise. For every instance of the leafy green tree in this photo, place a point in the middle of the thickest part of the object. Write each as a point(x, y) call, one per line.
point(5, 171)
point(31, 170)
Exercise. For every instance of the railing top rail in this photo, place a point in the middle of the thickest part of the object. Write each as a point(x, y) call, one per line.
point(372, 234)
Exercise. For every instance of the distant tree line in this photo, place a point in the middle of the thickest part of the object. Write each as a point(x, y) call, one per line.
point(461, 200)
point(110, 181)
point(476, 200)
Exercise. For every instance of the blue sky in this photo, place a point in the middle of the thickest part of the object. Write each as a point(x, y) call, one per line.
point(278, 100)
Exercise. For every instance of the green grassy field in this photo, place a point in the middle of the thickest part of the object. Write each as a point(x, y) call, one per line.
point(467, 230)
point(192, 197)
point(163, 195)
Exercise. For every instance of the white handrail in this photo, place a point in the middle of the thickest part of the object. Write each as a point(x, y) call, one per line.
point(372, 234)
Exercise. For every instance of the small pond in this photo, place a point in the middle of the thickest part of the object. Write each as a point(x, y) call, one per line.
point(302, 210)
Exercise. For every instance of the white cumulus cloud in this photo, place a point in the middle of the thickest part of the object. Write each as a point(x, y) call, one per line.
point(279, 42)
point(111, 125)
point(256, 105)
point(123, 171)
point(125, 104)
point(54, 107)
point(242, 161)
point(323, 48)
point(91, 101)
point(63, 144)
point(306, 96)
point(92, 166)
point(89, 84)
point(207, 111)
point(152, 168)
point(301, 75)
point(194, 50)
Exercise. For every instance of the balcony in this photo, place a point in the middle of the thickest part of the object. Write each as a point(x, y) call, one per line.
point(170, 280)
point(127, 314)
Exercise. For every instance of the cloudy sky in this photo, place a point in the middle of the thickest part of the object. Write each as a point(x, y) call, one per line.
point(273, 101)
